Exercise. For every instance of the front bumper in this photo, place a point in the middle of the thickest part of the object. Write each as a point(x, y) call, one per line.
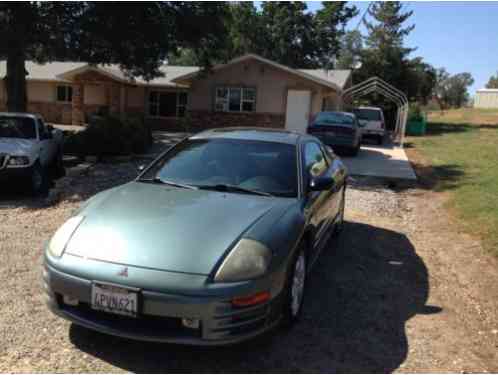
point(161, 314)
point(15, 174)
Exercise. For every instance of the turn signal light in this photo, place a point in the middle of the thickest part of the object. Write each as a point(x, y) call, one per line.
point(251, 300)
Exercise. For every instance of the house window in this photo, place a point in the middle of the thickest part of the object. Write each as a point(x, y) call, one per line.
point(64, 94)
point(235, 99)
point(167, 104)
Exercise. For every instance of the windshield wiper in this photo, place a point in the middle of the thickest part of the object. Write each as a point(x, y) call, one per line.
point(233, 188)
point(157, 180)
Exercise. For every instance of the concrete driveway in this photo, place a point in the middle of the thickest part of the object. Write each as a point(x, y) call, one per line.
point(386, 161)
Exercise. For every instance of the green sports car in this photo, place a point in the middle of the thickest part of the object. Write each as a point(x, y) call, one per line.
point(210, 244)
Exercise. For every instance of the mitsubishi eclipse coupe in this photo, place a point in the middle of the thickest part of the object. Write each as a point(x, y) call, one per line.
point(210, 244)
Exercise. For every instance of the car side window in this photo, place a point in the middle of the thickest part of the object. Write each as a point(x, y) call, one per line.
point(314, 159)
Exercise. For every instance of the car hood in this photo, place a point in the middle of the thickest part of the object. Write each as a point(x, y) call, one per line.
point(166, 228)
point(16, 146)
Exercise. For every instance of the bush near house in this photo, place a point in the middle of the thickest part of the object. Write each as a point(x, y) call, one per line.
point(110, 135)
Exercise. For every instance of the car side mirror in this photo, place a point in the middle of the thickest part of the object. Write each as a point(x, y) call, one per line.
point(321, 183)
point(330, 150)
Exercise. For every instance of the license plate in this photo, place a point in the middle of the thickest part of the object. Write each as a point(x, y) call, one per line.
point(114, 299)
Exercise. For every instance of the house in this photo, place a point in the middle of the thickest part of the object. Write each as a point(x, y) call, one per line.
point(486, 98)
point(247, 91)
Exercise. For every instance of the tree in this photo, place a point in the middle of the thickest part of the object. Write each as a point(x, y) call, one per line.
point(385, 55)
point(282, 31)
point(137, 36)
point(287, 33)
point(440, 86)
point(452, 90)
point(350, 51)
point(493, 82)
point(329, 29)
point(456, 94)
point(245, 30)
point(421, 79)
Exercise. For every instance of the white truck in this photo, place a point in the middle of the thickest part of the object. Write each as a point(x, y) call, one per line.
point(30, 151)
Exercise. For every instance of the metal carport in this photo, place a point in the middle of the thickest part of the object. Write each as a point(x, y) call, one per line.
point(376, 84)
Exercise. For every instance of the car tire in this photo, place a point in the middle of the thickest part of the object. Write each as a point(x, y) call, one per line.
point(356, 150)
point(59, 169)
point(39, 181)
point(295, 288)
point(339, 225)
point(380, 140)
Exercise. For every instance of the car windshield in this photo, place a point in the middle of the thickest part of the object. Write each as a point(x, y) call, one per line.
point(367, 114)
point(333, 118)
point(17, 127)
point(241, 166)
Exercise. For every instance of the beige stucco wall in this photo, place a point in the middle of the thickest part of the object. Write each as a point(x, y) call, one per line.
point(135, 97)
point(41, 92)
point(95, 94)
point(271, 87)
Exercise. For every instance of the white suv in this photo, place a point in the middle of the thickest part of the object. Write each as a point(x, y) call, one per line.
point(372, 123)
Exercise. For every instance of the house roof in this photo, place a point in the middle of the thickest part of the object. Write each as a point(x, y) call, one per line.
point(64, 71)
point(339, 77)
point(335, 81)
point(174, 76)
point(44, 72)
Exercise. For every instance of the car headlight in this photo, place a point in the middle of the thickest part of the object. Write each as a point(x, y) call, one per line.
point(18, 161)
point(249, 259)
point(60, 239)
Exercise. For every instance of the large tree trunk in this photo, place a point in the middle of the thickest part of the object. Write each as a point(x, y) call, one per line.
point(16, 81)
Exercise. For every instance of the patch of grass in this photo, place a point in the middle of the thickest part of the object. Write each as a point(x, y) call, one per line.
point(467, 140)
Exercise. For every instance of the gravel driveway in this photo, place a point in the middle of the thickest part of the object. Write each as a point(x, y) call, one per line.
point(399, 290)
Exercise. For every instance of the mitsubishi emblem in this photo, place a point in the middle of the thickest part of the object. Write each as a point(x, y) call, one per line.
point(123, 272)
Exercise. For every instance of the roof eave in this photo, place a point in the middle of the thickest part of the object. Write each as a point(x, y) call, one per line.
point(68, 75)
point(185, 79)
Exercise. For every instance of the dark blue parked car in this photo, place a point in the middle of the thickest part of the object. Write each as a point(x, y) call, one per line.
point(340, 130)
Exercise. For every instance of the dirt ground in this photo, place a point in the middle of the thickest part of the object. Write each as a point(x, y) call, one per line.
point(401, 290)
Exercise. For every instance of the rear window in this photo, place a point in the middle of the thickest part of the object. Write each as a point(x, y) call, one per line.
point(368, 114)
point(333, 118)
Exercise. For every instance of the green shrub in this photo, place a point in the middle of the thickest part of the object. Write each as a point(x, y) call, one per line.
point(110, 135)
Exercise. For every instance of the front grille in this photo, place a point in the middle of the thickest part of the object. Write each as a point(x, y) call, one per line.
point(143, 325)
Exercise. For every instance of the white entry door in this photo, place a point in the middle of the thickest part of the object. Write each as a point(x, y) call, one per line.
point(298, 110)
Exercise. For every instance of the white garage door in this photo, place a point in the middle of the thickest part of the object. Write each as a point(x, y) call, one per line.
point(298, 109)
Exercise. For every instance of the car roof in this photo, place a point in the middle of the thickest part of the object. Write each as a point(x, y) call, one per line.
point(254, 134)
point(20, 114)
point(339, 113)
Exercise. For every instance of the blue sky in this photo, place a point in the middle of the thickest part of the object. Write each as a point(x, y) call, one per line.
point(460, 36)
